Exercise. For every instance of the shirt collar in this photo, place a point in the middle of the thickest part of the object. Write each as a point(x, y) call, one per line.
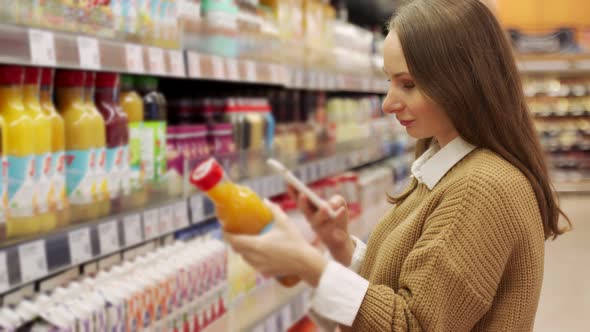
point(433, 164)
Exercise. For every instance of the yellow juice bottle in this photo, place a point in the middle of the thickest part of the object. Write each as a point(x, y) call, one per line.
point(80, 144)
point(132, 105)
point(42, 139)
point(20, 154)
point(58, 197)
point(101, 191)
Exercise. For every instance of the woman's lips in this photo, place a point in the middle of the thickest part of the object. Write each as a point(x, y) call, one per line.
point(406, 123)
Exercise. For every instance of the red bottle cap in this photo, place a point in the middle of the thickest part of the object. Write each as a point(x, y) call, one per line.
point(47, 75)
point(69, 78)
point(12, 74)
point(90, 79)
point(207, 174)
point(32, 75)
point(107, 80)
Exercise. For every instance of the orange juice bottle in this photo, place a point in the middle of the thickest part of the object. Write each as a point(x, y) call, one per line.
point(58, 198)
point(239, 209)
point(80, 148)
point(101, 191)
point(43, 155)
point(132, 105)
point(20, 154)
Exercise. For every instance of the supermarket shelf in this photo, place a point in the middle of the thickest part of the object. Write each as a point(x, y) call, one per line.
point(582, 187)
point(566, 63)
point(35, 259)
point(28, 46)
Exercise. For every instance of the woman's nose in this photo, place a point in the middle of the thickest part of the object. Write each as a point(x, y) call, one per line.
point(392, 105)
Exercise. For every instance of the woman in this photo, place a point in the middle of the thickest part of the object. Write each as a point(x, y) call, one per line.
point(463, 247)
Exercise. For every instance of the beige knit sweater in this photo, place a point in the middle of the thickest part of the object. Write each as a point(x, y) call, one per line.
point(467, 255)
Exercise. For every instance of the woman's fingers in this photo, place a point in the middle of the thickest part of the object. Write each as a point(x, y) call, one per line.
point(306, 207)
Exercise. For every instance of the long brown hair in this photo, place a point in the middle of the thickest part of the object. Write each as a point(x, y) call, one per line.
point(460, 58)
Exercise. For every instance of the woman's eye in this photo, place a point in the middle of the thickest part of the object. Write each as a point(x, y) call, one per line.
point(408, 85)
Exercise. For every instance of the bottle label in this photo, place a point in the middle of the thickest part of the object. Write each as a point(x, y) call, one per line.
point(59, 179)
point(136, 163)
point(115, 157)
point(101, 175)
point(3, 188)
point(45, 192)
point(21, 184)
point(80, 178)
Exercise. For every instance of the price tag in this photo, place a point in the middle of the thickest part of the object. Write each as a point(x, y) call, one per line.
point(151, 225)
point(88, 52)
point(166, 219)
point(233, 69)
point(275, 73)
point(80, 249)
point(197, 209)
point(132, 229)
point(194, 65)
point(108, 237)
point(176, 63)
point(42, 46)
point(218, 70)
point(300, 77)
point(33, 261)
point(4, 282)
point(366, 84)
point(134, 58)
point(156, 61)
point(251, 71)
point(180, 215)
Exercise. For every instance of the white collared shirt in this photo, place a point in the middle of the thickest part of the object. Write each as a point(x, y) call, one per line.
point(341, 291)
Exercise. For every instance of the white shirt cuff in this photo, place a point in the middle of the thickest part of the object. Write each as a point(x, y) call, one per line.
point(339, 294)
point(358, 256)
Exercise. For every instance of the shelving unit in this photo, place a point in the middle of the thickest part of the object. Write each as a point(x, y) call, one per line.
point(30, 46)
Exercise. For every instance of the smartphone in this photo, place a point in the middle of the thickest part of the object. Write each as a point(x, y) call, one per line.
point(300, 186)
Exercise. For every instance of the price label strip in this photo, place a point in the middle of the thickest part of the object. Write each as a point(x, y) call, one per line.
point(88, 52)
point(80, 248)
point(176, 63)
point(218, 68)
point(33, 261)
point(181, 215)
point(156, 61)
point(4, 281)
point(194, 65)
point(166, 219)
point(108, 235)
point(251, 72)
point(233, 69)
point(151, 227)
point(132, 229)
point(42, 47)
point(197, 209)
point(134, 58)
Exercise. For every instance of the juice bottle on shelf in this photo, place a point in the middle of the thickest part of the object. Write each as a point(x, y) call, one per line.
point(154, 134)
point(132, 105)
point(20, 154)
point(42, 193)
point(100, 192)
point(239, 209)
point(117, 130)
point(58, 146)
point(80, 137)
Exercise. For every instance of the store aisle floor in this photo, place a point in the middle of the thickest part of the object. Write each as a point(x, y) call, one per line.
point(565, 299)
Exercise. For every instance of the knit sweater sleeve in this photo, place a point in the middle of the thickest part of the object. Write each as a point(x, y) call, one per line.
point(451, 276)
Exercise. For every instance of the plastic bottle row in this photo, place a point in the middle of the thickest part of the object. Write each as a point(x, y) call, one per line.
point(181, 287)
point(67, 148)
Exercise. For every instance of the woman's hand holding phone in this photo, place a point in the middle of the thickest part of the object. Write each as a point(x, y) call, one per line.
point(332, 231)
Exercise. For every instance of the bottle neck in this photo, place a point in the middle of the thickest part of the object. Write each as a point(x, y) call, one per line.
point(11, 96)
point(46, 94)
point(109, 95)
point(88, 94)
point(65, 97)
point(31, 92)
